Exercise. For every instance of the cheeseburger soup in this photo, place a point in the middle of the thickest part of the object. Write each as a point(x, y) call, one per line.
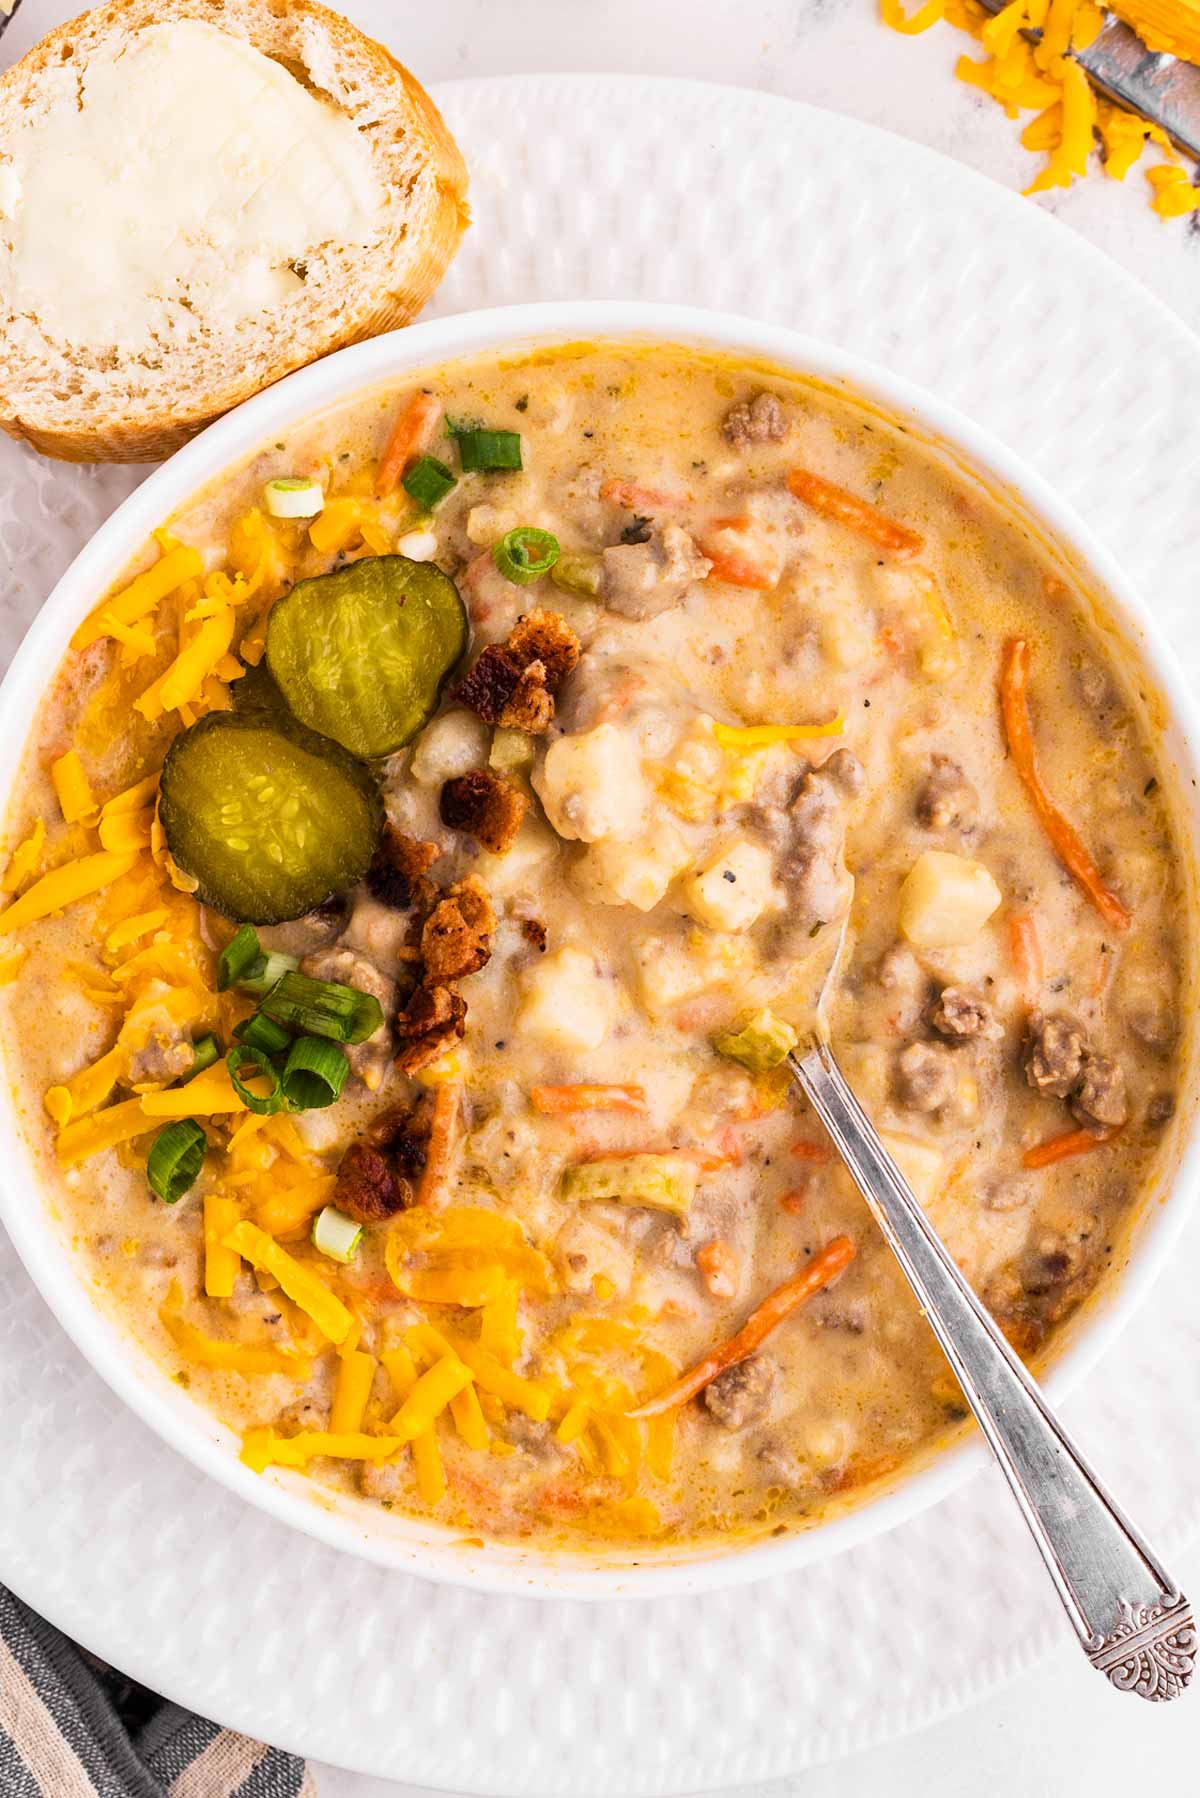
point(424, 861)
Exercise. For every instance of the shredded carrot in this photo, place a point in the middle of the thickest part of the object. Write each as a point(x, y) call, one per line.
point(815, 1152)
point(812, 1277)
point(1026, 947)
point(412, 430)
point(718, 1267)
point(638, 499)
point(560, 1101)
point(1061, 1148)
point(846, 508)
point(793, 1202)
point(741, 571)
point(1014, 701)
point(730, 1145)
point(439, 1150)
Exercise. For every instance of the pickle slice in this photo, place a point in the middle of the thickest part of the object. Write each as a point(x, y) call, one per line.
point(271, 819)
point(362, 655)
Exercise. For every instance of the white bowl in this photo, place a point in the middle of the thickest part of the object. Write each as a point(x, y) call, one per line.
point(409, 1544)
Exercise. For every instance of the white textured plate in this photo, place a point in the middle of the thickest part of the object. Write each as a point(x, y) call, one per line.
point(588, 187)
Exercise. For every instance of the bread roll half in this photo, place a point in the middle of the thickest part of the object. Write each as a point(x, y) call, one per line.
point(197, 197)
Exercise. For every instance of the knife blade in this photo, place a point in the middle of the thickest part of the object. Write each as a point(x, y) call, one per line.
point(1164, 89)
point(7, 9)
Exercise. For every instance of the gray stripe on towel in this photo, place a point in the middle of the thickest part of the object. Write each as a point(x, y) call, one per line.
point(16, 1781)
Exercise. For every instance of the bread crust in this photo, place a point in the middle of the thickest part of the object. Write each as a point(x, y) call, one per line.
point(148, 432)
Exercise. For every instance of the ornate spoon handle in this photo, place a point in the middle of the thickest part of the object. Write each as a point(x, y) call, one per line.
point(1130, 1617)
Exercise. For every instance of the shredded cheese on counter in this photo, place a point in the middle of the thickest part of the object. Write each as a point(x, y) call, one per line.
point(1037, 73)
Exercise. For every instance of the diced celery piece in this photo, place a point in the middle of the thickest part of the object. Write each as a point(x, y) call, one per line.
point(662, 1182)
point(578, 571)
point(759, 1045)
point(511, 749)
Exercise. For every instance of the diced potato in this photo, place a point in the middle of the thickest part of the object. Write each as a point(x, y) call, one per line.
point(521, 868)
point(732, 887)
point(946, 900)
point(920, 1163)
point(418, 546)
point(914, 597)
point(637, 874)
point(452, 745)
point(592, 786)
point(848, 636)
point(670, 971)
point(567, 1003)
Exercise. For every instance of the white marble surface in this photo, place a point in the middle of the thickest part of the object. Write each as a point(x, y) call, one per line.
point(1058, 1732)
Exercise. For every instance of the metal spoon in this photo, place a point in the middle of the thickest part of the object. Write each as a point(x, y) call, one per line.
point(1131, 1619)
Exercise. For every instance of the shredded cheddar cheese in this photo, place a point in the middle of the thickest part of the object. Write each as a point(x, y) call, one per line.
point(221, 1265)
point(182, 684)
point(1170, 26)
point(64, 886)
point(87, 1089)
point(25, 859)
point(427, 1460)
point(126, 832)
point(759, 736)
point(429, 1397)
point(263, 1448)
point(1029, 66)
point(356, 1375)
point(11, 963)
point(249, 1358)
point(72, 788)
point(141, 596)
point(302, 1287)
point(105, 1130)
point(208, 1094)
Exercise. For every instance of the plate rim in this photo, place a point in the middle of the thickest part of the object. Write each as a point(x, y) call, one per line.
point(863, 1738)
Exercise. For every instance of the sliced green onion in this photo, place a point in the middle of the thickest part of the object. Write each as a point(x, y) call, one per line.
point(265, 1105)
point(175, 1159)
point(488, 452)
point(275, 965)
point(324, 1008)
point(294, 496)
point(241, 959)
point(525, 554)
point(206, 1051)
point(335, 1234)
point(263, 1034)
point(314, 1074)
point(578, 571)
point(428, 481)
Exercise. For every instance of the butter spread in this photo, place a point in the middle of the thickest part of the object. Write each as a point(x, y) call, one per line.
point(190, 168)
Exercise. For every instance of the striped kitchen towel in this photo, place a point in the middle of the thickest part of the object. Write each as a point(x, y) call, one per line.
point(71, 1727)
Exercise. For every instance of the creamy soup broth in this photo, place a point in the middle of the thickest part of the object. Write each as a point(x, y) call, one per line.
point(659, 878)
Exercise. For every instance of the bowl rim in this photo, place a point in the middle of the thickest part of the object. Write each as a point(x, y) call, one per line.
point(431, 1551)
